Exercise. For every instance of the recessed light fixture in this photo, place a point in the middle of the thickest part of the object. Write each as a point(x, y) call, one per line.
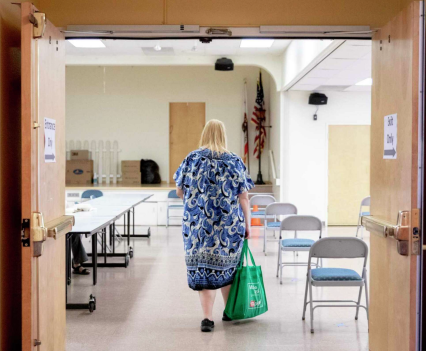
point(256, 43)
point(368, 81)
point(87, 43)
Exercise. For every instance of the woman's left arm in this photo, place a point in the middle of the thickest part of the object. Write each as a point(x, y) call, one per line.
point(179, 192)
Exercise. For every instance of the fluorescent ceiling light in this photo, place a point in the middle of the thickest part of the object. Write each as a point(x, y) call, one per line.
point(368, 81)
point(256, 43)
point(87, 43)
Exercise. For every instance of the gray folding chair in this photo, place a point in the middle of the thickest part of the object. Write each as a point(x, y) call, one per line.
point(173, 206)
point(336, 248)
point(261, 201)
point(276, 209)
point(296, 223)
point(364, 203)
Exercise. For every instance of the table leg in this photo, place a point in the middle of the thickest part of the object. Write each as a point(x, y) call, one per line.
point(128, 227)
point(95, 257)
point(113, 237)
point(105, 245)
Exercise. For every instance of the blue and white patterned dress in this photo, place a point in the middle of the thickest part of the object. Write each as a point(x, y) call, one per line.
point(213, 222)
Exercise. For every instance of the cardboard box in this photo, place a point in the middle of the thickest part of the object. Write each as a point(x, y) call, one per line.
point(130, 166)
point(79, 172)
point(80, 154)
point(131, 178)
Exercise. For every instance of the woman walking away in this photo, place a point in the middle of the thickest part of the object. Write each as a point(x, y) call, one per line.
point(213, 184)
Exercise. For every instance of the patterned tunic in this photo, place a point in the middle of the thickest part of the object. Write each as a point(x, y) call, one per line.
point(213, 221)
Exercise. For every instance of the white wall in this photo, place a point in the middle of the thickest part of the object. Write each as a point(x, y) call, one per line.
point(274, 134)
point(304, 145)
point(131, 105)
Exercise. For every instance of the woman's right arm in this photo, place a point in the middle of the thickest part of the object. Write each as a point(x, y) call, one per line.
point(245, 205)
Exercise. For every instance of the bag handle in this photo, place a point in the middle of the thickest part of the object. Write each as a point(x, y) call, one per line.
point(244, 254)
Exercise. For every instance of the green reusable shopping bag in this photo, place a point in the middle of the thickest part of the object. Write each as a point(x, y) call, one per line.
point(247, 298)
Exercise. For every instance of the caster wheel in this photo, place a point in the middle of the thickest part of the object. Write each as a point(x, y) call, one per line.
point(92, 303)
point(131, 252)
point(303, 319)
point(127, 260)
point(356, 318)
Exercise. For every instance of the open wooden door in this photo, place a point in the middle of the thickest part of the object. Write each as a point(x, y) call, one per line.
point(186, 123)
point(43, 182)
point(395, 179)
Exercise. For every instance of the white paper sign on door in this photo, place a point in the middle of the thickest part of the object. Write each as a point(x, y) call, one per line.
point(49, 140)
point(389, 150)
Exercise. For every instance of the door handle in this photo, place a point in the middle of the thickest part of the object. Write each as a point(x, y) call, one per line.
point(60, 226)
point(400, 231)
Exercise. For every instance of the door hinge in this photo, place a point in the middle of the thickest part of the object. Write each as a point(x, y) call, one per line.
point(25, 228)
point(36, 125)
point(37, 342)
point(38, 19)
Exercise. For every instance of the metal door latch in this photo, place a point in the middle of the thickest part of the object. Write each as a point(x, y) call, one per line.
point(38, 232)
point(402, 231)
point(38, 20)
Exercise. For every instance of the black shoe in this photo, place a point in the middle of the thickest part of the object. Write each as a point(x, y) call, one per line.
point(225, 317)
point(207, 325)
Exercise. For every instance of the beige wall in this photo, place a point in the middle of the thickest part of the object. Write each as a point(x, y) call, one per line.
point(131, 105)
point(223, 12)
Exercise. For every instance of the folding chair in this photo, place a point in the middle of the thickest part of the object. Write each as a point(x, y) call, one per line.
point(262, 201)
point(173, 205)
point(364, 203)
point(296, 223)
point(276, 209)
point(336, 248)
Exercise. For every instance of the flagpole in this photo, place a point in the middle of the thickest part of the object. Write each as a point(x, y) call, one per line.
point(246, 132)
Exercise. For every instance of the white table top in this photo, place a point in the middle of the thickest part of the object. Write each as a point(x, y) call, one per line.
point(91, 225)
point(107, 210)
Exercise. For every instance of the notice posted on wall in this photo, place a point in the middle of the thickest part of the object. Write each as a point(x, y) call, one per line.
point(390, 135)
point(49, 140)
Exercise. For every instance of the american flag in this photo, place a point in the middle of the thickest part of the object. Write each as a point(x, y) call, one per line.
point(259, 119)
point(245, 129)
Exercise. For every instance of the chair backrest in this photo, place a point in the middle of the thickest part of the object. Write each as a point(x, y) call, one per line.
point(261, 200)
point(301, 223)
point(365, 201)
point(91, 194)
point(280, 208)
point(173, 195)
point(339, 247)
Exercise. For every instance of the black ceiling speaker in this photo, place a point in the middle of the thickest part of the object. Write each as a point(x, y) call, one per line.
point(318, 99)
point(224, 64)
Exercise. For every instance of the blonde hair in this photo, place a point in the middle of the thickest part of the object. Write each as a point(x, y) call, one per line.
point(213, 136)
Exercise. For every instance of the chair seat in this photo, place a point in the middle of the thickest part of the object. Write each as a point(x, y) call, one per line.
point(274, 224)
point(258, 213)
point(365, 213)
point(297, 242)
point(334, 274)
point(175, 206)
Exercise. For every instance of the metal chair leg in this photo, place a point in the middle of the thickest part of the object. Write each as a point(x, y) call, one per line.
point(306, 296)
point(167, 225)
point(278, 257)
point(264, 238)
point(311, 303)
point(359, 302)
point(281, 266)
point(366, 297)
